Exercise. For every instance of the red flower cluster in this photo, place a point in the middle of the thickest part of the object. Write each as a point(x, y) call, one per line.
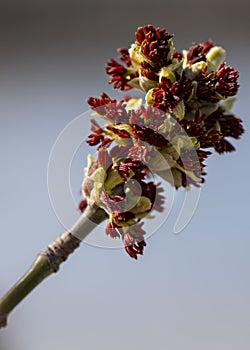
point(167, 95)
point(154, 44)
point(197, 53)
point(168, 136)
point(121, 75)
point(123, 222)
point(217, 85)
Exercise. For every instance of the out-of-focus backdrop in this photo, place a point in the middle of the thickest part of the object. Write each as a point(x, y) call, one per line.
point(189, 291)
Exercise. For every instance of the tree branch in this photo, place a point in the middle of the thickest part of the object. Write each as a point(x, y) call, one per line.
point(49, 261)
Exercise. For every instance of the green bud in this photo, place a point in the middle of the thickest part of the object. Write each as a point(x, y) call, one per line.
point(184, 142)
point(167, 125)
point(172, 176)
point(168, 73)
point(133, 103)
point(193, 70)
point(189, 173)
point(95, 193)
point(90, 160)
point(135, 56)
point(113, 179)
point(149, 97)
point(215, 56)
point(125, 127)
point(143, 205)
point(146, 84)
point(185, 61)
point(227, 105)
point(179, 110)
point(98, 178)
point(134, 83)
point(159, 163)
point(98, 175)
point(209, 108)
point(92, 185)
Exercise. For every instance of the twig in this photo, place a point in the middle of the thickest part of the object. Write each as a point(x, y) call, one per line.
point(48, 261)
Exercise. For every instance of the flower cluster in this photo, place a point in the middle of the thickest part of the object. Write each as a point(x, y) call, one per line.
point(151, 51)
point(188, 98)
point(122, 186)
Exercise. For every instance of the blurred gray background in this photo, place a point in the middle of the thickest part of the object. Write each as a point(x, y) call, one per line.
point(189, 291)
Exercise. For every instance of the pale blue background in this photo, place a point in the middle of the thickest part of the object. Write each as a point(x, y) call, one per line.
point(189, 291)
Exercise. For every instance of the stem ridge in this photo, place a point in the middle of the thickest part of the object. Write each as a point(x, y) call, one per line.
point(58, 251)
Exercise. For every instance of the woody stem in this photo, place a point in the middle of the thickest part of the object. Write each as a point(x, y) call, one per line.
point(48, 261)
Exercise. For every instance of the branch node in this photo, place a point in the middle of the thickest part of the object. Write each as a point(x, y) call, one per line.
point(59, 251)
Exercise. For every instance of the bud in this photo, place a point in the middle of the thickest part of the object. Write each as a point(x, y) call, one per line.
point(215, 56)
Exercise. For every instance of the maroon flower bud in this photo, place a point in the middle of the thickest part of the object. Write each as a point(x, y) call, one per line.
point(206, 134)
point(226, 81)
point(105, 143)
point(115, 204)
point(192, 165)
point(95, 139)
point(119, 75)
point(158, 202)
point(98, 102)
point(217, 85)
point(138, 152)
point(111, 229)
point(224, 146)
point(197, 53)
point(128, 164)
point(98, 136)
point(149, 136)
point(111, 109)
point(177, 55)
point(154, 44)
point(167, 95)
point(82, 205)
point(231, 126)
point(147, 116)
point(121, 133)
point(148, 71)
point(104, 159)
point(124, 57)
point(95, 127)
point(133, 248)
point(131, 252)
point(128, 239)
